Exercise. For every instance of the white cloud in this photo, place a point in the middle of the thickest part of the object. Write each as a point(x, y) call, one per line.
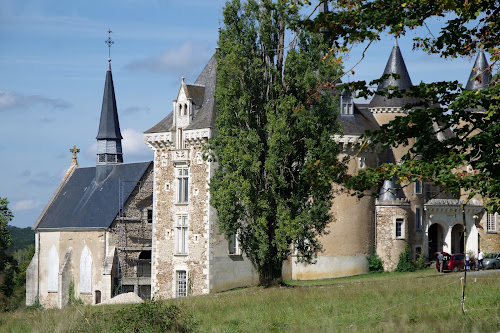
point(177, 60)
point(10, 100)
point(134, 148)
point(25, 205)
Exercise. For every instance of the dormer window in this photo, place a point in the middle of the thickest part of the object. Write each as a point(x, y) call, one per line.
point(346, 104)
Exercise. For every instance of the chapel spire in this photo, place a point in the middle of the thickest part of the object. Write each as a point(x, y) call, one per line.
point(109, 145)
point(395, 65)
point(480, 75)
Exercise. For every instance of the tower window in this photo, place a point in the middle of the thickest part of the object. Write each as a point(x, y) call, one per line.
point(399, 225)
point(182, 234)
point(185, 109)
point(418, 218)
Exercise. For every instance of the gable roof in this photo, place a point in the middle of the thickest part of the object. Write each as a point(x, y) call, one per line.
point(202, 93)
point(82, 203)
point(395, 65)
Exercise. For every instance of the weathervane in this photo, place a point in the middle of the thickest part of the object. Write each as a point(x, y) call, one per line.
point(110, 42)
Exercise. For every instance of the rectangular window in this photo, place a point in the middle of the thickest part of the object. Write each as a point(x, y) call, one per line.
point(150, 216)
point(418, 187)
point(233, 245)
point(491, 222)
point(418, 218)
point(399, 228)
point(181, 284)
point(182, 185)
point(182, 234)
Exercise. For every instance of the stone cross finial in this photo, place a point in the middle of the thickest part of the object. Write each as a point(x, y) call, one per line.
point(74, 150)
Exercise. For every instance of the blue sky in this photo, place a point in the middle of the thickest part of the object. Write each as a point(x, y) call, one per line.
point(53, 62)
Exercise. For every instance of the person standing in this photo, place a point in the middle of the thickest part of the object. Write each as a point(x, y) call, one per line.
point(440, 260)
point(480, 258)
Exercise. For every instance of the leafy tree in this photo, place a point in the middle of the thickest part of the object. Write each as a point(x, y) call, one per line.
point(473, 116)
point(7, 262)
point(275, 118)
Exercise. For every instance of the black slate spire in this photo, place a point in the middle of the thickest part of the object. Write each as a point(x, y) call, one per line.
point(395, 65)
point(109, 144)
point(475, 81)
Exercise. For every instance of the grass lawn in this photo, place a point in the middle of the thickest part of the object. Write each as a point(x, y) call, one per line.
point(423, 301)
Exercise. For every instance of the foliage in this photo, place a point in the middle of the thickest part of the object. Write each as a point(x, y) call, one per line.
point(22, 238)
point(18, 297)
point(146, 317)
point(73, 300)
point(275, 118)
point(405, 263)
point(8, 265)
point(473, 116)
point(375, 264)
point(420, 262)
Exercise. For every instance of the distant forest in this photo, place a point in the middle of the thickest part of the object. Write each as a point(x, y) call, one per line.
point(22, 238)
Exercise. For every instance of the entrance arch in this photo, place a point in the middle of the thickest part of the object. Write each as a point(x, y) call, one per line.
point(457, 239)
point(435, 240)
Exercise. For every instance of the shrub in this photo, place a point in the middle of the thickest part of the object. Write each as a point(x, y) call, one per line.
point(375, 264)
point(405, 263)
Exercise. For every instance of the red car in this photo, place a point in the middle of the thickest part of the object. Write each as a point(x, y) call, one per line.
point(454, 262)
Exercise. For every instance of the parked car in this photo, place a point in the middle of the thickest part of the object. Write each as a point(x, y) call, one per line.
point(455, 262)
point(491, 260)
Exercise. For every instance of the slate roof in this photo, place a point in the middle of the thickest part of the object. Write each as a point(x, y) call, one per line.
point(109, 127)
point(481, 64)
point(390, 190)
point(395, 65)
point(202, 93)
point(82, 203)
point(360, 121)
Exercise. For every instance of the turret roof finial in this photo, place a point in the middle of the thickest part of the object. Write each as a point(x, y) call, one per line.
point(110, 42)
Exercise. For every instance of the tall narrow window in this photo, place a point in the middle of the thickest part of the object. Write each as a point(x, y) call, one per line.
point(52, 270)
point(399, 228)
point(86, 271)
point(182, 234)
point(181, 284)
point(233, 245)
point(185, 109)
point(491, 222)
point(183, 185)
point(418, 187)
point(180, 109)
point(150, 215)
point(418, 218)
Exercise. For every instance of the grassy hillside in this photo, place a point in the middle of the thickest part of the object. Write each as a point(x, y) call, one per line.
point(22, 238)
point(423, 301)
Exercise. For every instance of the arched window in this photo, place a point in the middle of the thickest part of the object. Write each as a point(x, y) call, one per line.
point(185, 109)
point(86, 271)
point(52, 270)
point(180, 109)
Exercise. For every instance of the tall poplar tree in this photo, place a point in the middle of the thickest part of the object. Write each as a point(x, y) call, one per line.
point(276, 115)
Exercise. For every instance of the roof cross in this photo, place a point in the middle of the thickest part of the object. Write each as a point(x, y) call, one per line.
point(74, 150)
point(110, 42)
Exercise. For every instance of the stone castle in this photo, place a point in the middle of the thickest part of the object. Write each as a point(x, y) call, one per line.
point(149, 228)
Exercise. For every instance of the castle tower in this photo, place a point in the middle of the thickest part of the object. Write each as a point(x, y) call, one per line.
point(109, 144)
point(392, 230)
point(480, 76)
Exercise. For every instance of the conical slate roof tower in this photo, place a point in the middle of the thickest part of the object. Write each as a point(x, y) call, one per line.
point(480, 76)
point(109, 144)
point(395, 65)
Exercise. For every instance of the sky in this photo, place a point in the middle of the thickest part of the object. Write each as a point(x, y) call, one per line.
point(53, 62)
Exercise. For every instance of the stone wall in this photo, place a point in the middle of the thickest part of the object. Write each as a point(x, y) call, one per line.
point(388, 246)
